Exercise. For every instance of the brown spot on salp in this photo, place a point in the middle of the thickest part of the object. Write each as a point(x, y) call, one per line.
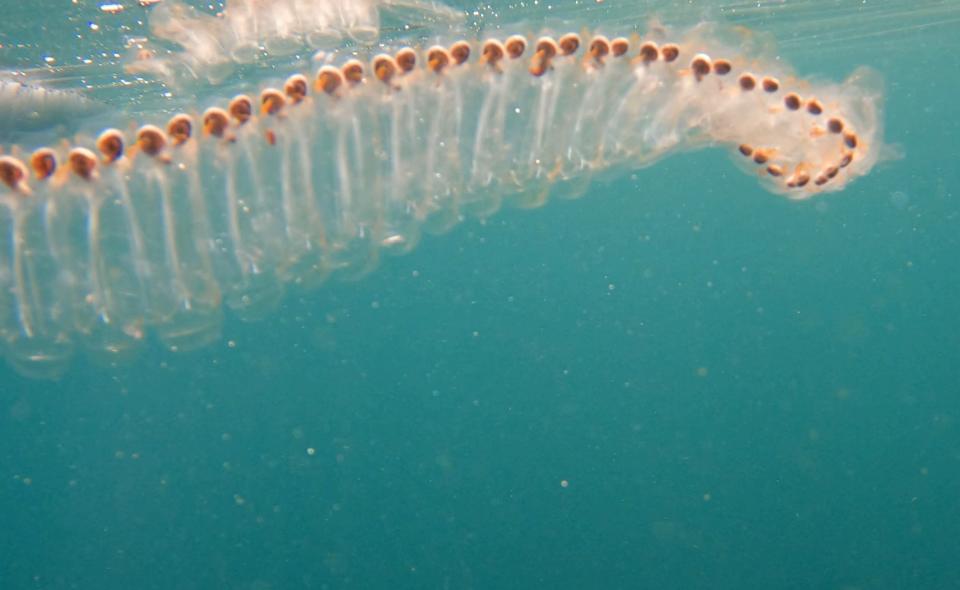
point(821, 180)
point(241, 108)
point(329, 79)
point(802, 179)
point(746, 150)
point(271, 101)
point(599, 48)
point(619, 46)
point(492, 52)
point(649, 52)
point(722, 67)
point(437, 59)
point(539, 65)
point(850, 139)
point(151, 140)
point(179, 129)
point(547, 46)
point(515, 46)
point(110, 144)
point(747, 82)
point(700, 65)
point(792, 101)
point(353, 71)
point(670, 52)
point(846, 159)
point(82, 162)
point(384, 68)
point(44, 163)
point(270, 136)
point(215, 122)
point(831, 172)
point(144, 54)
point(406, 59)
point(460, 52)
point(13, 173)
point(569, 43)
point(760, 156)
point(296, 88)
point(814, 107)
point(835, 125)
point(775, 170)
point(546, 49)
point(770, 84)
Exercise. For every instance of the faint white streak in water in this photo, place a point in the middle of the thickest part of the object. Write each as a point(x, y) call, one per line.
point(899, 199)
point(27, 109)
point(187, 44)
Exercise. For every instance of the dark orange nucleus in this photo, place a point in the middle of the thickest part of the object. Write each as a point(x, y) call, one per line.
point(353, 71)
point(215, 122)
point(82, 162)
point(619, 46)
point(460, 51)
point(599, 48)
point(151, 140)
point(569, 43)
point(179, 129)
point(492, 52)
point(547, 47)
point(515, 46)
point(271, 101)
point(406, 59)
point(649, 52)
point(329, 79)
point(110, 144)
point(44, 163)
point(296, 88)
point(384, 67)
point(241, 108)
point(437, 59)
point(700, 65)
point(12, 172)
point(670, 52)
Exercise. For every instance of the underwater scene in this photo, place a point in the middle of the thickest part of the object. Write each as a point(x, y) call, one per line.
point(320, 294)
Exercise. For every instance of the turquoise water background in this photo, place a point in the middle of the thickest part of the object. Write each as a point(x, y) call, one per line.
point(678, 381)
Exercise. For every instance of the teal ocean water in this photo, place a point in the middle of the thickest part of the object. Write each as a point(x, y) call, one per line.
point(678, 381)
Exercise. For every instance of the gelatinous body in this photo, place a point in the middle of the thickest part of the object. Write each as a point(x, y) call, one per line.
point(158, 228)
